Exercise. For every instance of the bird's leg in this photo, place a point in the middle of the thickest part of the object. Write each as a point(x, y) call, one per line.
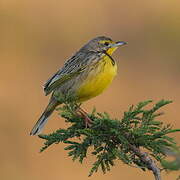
point(87, 120)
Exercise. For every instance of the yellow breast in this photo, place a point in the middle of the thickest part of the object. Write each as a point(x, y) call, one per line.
point(97, 80)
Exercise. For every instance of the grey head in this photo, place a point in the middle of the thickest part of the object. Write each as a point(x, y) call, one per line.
point(101, 44)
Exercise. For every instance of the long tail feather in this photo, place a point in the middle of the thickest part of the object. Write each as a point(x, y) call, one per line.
point(37, 129)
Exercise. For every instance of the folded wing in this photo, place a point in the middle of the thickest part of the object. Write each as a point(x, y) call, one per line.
point(73, 67)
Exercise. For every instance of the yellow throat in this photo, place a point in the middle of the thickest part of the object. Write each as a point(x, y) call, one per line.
point(98, 79)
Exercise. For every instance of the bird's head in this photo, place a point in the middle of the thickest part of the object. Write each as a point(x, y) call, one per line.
point(103, 44)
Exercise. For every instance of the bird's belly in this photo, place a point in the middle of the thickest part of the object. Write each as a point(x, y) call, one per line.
point(97, 80)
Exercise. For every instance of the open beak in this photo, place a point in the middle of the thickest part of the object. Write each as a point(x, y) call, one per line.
point(119, 43)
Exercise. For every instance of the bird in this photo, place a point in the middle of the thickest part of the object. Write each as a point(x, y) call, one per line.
point(85, 75)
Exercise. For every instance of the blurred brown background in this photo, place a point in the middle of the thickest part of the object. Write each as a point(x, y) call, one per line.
point(36, 37)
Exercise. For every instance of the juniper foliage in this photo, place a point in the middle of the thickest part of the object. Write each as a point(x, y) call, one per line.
point(113, 139)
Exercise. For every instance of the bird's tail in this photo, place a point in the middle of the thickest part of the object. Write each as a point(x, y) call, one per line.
point(44, 117)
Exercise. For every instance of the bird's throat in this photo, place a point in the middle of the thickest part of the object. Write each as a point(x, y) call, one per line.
point(110, 57)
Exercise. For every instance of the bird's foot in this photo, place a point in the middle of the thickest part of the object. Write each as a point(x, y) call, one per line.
point(87, 120)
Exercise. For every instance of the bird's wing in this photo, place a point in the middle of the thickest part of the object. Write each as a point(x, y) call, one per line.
point(73, 67)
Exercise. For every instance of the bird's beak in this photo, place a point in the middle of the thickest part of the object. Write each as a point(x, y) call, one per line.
point(119, 43)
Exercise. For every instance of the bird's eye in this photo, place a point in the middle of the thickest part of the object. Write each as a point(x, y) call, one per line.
point(106, 43)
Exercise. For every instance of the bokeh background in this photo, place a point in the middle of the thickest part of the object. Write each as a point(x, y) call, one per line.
point(36, 37)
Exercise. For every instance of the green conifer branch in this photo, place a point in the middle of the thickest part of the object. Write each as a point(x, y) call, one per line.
point(138, 139)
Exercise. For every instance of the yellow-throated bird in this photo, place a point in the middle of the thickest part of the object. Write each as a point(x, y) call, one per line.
point(85, 75)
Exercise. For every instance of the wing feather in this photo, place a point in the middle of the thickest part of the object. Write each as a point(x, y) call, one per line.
point(73, 67)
